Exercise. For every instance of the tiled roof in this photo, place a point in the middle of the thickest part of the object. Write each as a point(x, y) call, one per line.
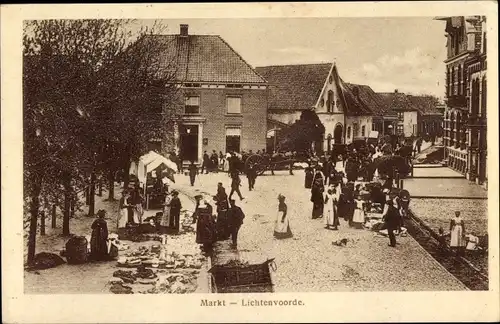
point(294, 87)
point(426, 105)
point(355, 106)
point(397, 101)
point(203, 58)
point(373, 101)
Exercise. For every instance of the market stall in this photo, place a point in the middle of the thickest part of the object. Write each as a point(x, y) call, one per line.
point(152, 172)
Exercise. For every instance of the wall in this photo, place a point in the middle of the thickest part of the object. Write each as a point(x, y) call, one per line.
point(322, 106)
point(330, 121)
point(361, 121)
point(213, 115)
point(410, 119)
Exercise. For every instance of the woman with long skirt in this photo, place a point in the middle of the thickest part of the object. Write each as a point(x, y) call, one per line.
point(206, 233)
point(99, 239)
point(317, 199)
point(282, 225)
point(165, 219)
point(358, 217)
point(457, 233)
point(331, 201)
point(123, 217)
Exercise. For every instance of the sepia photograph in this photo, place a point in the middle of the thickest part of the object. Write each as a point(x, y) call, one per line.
point(256, 156)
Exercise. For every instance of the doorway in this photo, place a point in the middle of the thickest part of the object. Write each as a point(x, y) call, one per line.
point(337, 134)
point(189, 142)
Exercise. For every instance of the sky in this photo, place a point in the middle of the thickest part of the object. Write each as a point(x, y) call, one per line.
point(403, 53)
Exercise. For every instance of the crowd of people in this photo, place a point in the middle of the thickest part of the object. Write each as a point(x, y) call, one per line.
point(353, 194)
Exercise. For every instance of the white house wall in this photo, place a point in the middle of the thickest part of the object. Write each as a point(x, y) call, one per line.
point(330, 85)
point(361, 121)
point(410, 123)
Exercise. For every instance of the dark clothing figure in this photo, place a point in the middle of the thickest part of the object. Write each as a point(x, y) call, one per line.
point(130, 210)
point(206, 232)
point(351, 169)
point(222, 214)
point(214, 159)
point(309, 174)
point(235, 217)
point(347, 204)
point(235, 185)
point(392, 222)
point(251, 176)
point(193, 171)
point(317, 200)
point(206, 163)
point(98, 241)
point(175, 212)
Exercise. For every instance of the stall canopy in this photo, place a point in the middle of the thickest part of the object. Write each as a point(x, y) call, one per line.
point(150, 162)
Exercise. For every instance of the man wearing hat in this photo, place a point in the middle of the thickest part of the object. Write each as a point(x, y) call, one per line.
point(391, 219)
point(235, 218)
point(175, 211)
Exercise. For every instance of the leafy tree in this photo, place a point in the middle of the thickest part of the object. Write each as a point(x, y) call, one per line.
point(303, 133)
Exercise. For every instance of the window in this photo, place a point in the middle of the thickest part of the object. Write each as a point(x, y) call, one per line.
point(233, 138)
point(374, 128)
point(349, 132)
point(414, 131)
point(322, 102)
point(330, 102)
point(401, 115)
point(192, 105)
point(355, 130)
point(363, 129)
point(233, 105)
point(400, 129)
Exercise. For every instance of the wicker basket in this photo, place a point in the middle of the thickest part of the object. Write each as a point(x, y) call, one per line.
point(76, 250)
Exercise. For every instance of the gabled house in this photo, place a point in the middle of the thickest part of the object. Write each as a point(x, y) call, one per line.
point(222, 102)
point(417, 115)
point(344, 109)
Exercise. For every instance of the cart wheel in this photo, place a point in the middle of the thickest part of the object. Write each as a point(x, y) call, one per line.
point(258, 162)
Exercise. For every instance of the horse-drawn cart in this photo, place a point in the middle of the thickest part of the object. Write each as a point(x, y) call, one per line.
point(262, 163)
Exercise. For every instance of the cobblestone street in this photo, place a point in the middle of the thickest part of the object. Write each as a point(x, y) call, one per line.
point(309, 262)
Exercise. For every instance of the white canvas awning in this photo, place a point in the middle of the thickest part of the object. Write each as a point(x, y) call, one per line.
point(150, 162)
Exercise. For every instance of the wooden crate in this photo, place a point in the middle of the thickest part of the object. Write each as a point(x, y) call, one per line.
point(250, 278)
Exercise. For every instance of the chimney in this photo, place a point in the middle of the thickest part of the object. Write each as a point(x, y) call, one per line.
point(395, 90)
point(184, 30)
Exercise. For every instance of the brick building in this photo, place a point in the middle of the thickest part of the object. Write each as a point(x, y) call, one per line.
point(346, 110)
point(221, 101)
point(465, 112)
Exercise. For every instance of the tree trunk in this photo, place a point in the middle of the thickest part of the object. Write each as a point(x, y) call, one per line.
point(100, 187)
point(111, 189)
point(92, 195)
point(68, 196)
point(72, 207)
point(54, 216)
point(42, 222)
point(34, 206)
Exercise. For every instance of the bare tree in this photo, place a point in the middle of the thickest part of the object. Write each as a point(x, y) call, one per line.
point(85, 86)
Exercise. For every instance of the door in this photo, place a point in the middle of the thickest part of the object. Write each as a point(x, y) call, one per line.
point(337, 134)
point(189, 142)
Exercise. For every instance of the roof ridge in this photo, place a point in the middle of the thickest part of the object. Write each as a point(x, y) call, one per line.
point(304, 64)
point(241, 58)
